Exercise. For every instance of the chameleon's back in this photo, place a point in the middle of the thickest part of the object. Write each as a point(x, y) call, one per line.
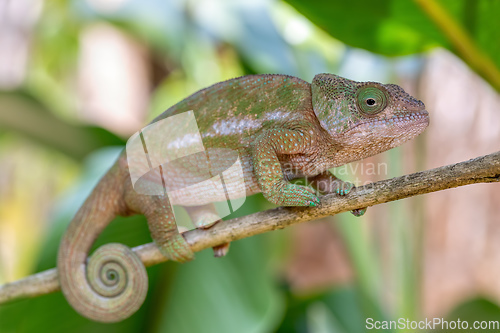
point(229, 114)
point(230, 111)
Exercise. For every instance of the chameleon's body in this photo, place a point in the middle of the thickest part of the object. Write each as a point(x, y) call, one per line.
point(282, 128)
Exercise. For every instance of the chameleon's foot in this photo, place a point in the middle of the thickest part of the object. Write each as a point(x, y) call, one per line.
point(292, 195)
point(207, 222)
point(359, 212)
point(177, 249)
point(208, 225)
point(343, 188)
point(203, 216)
point(221, 250)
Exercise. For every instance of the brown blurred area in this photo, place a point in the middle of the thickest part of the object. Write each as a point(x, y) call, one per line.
point(114, 79)
point(462, 225)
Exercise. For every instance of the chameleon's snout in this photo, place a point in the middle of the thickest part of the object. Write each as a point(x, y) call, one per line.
point(424, 117)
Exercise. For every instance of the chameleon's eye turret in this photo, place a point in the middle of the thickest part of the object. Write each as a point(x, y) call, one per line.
point(371, 100)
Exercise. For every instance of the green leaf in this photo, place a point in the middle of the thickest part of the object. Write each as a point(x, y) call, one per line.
point(373, 24)
point(469, 28)
point(338, 310)
point(232, 294)
point(479, 310)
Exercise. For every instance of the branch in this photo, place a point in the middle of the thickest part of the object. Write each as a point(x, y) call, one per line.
point(484, 169)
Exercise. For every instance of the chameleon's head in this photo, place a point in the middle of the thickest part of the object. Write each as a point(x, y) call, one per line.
point(366, 117)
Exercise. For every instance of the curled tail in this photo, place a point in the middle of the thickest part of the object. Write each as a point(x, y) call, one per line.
point(113, 283)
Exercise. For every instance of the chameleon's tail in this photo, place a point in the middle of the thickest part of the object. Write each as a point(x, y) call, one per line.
point(113, 283)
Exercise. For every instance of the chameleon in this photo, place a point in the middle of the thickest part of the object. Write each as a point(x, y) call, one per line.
point(282, 128)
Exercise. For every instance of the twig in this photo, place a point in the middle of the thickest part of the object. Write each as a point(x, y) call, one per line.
point(484, 169)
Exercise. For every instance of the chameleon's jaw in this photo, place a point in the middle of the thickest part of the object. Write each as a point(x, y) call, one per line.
point(409, 126)
point(412, 123)
point(376, 135)
point(395, 122)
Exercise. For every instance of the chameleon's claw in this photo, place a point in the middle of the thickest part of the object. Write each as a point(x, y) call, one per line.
point(293, 195)
point(359, 212)
point(343, 188)
point(203, 216)
point(206, 224)
point(315, 202)
point(221, 250)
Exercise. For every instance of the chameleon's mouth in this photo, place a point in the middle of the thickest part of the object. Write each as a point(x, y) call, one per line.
point(419, 119)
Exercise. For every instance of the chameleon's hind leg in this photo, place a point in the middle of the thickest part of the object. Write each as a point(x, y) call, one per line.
point(326, 182)
point(161, 222)
point(206, 216)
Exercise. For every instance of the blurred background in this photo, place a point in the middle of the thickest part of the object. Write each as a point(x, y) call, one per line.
point(77, 78)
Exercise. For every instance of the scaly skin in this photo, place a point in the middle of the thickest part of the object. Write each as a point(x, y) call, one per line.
point(282, 128)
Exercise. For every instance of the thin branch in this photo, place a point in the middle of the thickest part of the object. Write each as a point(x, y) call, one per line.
point(484, 169)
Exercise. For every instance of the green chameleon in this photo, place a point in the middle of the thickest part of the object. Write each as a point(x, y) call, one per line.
point(282, 128)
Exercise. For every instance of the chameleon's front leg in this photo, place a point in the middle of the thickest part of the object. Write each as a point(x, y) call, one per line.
point(326, 182)
point(268, 170)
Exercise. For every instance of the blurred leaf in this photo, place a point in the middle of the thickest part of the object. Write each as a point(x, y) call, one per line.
point(340, 310)
point(469, 28)
point(321, 320)
point(403, 237)
point(24, 114)
point(345, 304)
point(366, 263)
point(176, 27)
point(364, 259)
point(478, 310)
point(233, 294)
point(386, 27)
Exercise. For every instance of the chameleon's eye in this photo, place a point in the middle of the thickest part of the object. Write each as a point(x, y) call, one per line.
point(371, 100)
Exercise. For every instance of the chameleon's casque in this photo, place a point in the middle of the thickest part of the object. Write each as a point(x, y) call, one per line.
point(282, 128)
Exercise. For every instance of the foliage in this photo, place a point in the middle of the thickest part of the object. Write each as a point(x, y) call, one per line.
point(401, 27)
